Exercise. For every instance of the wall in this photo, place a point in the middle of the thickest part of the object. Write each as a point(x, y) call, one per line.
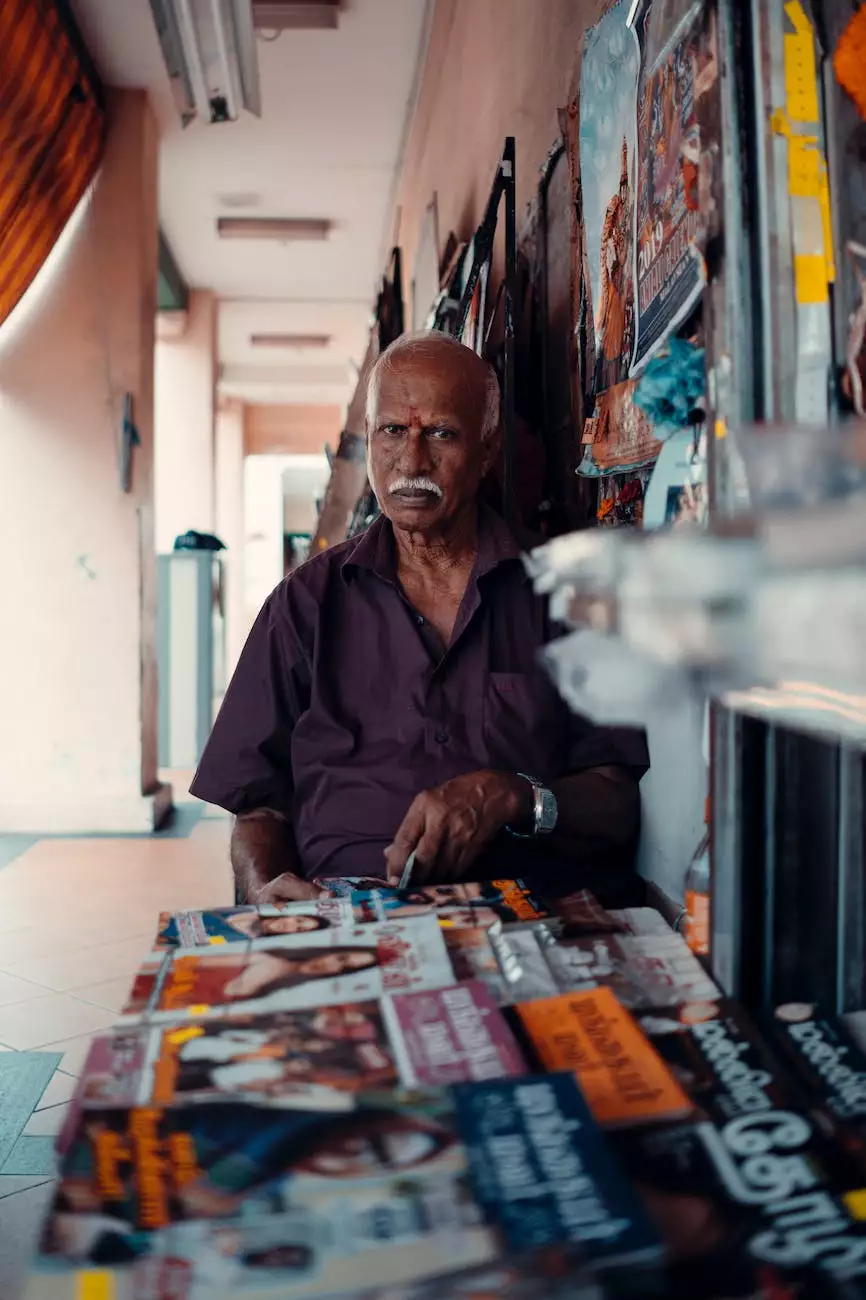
point(494, 68)
point(286, 430)
point(230, 522)
point(185, 377)
point(78, 620)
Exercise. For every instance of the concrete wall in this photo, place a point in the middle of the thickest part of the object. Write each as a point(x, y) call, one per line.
point(186, 370)
point(494, 68)
point(291, 429)
point(230, 522)
point(77, 620)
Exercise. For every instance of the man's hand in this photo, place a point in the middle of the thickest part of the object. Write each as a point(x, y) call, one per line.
point(287, 888)
point(450, 826)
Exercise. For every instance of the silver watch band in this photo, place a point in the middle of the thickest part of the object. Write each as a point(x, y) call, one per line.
point(544, 810)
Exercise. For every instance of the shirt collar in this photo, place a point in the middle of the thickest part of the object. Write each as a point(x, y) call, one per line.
point(374, 550)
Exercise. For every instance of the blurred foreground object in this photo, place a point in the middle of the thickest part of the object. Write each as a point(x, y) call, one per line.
point(849, 61)
point(768, 615)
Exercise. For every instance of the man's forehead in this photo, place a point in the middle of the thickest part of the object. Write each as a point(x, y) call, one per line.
point(440, 381)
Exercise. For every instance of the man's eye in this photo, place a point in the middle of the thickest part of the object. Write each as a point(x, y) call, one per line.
point(391, 430)
point(441, 435)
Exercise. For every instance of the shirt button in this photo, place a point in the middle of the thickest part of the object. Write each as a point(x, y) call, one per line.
point(420, 619)
point(442, 737)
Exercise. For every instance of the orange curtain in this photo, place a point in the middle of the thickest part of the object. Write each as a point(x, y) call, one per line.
point(52, 128)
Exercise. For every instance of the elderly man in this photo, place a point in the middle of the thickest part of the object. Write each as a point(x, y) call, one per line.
point(389, 700)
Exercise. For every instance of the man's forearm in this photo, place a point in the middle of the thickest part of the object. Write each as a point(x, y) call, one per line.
point(599, 814)
point(262, 848)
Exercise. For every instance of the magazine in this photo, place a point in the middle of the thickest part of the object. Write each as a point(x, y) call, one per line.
point(322, 967)
point(719, 1058)
point(757, 1190)
point(217, 925)
point(643, 970)
point(322, 1203)
point(314, 1058)
point(353, 902)
point(450, 1035)
point(621, 1075)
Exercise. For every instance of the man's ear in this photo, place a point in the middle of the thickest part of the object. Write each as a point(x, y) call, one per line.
point(491, 447)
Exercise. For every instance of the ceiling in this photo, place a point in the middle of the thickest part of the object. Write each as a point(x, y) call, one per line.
point(328, 144)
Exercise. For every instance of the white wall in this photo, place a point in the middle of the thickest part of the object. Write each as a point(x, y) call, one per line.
point(78, 612)
point(185, 388)
point(230, 522)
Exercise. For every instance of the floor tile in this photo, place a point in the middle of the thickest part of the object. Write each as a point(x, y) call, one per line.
point(61, 971)
point(13, 989)
point(48, 1019)
point(12, 1183)
point(48, 1122)
point(33, 1156)
point(74, 1051)
point(21, 1219)
point(111, 994)
point(60, 1089)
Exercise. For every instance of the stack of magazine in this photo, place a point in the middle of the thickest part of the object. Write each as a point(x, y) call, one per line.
point(454, 1091)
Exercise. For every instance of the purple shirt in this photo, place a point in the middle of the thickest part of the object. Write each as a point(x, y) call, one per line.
point(345, 704)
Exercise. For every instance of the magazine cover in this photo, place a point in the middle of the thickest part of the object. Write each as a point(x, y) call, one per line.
point(643, 970)
point(621, 1075)
point(758, 1188)
point(320, 967)
point(351, 903)
point(216, 925)
point(449, 1035)
point(285, 1058)
point(719, 1058)
point(327, 1204)
point(315, 1058)
point(668, 226)
point(303, 1203)
point(608, 92)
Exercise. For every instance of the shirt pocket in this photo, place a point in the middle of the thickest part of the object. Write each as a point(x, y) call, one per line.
point(522, 724)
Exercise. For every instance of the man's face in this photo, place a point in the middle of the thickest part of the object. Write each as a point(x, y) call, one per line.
point(425, 453)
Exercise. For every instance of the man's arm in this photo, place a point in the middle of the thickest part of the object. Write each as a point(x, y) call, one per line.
point(599, 810)
point(265, 859)
point(449, 827)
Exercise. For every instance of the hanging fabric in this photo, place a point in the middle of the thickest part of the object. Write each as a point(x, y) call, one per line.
point(52, 130)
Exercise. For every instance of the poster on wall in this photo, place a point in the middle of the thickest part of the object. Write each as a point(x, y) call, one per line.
point(608, 97)
point(619, 435)
point(669, 266)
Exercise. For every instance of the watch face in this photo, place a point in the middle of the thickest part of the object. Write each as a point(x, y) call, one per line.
point(549, 812)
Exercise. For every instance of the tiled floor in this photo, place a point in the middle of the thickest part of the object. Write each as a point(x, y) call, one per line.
point(76, 918)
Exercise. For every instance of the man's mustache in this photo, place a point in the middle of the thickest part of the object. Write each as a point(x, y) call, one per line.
point(415, 485)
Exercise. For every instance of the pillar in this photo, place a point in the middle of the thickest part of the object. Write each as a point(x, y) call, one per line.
point(230, 523)
point(78, 706)
point(186, 372)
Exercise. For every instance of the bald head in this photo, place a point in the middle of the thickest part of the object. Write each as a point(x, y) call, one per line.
point(432, 430)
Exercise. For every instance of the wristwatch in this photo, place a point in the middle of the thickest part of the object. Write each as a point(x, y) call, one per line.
point(545, 810)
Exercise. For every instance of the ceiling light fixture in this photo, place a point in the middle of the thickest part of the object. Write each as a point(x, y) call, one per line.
point(289, 340)
point(209, 47)
point(284, 229)
point(295, 15)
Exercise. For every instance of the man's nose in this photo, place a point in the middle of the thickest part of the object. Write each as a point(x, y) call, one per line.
point(415, 457)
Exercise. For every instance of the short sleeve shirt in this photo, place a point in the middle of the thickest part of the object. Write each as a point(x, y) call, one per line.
point(345, 705)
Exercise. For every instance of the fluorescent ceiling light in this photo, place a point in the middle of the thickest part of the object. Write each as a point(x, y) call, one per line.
point(289, 340)
point(209, 47)
point(281, 228)
point(295, 15)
